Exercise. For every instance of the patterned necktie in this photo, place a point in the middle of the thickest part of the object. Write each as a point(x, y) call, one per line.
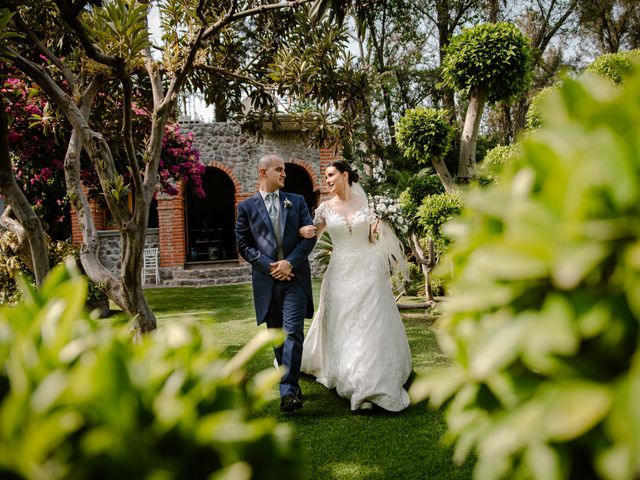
point(273, 211)
point(272, 198)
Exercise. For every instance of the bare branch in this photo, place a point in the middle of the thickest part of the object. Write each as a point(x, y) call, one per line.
point(231, 17)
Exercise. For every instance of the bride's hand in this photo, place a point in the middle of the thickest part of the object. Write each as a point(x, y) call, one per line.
point(308, 231)
point(375, 226)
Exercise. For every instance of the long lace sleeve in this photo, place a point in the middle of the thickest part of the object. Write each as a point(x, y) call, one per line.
point(318, 218)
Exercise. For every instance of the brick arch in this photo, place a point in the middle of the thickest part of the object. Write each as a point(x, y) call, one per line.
point(228, 171)
point(312, 174)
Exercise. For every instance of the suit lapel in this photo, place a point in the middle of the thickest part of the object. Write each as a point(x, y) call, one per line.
point(262, 209)
point(283, 213)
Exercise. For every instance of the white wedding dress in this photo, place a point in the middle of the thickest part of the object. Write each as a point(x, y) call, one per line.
point(357, 343)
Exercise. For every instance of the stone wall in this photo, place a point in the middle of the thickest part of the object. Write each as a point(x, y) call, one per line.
point(225, 143)
point(110, 254)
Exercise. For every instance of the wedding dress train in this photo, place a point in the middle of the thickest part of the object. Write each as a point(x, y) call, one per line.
point(357, 343)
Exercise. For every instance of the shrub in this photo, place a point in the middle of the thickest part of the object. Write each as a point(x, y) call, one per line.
point(494, 161)
point(436, 210)
point(11, 265)
point(616, 66)
point(423, 133)
point(542, 322)
point(493, 57)
point(533, 119)
point(82, 402)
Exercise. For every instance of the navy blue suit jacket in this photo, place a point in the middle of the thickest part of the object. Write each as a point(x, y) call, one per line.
point(257, 245)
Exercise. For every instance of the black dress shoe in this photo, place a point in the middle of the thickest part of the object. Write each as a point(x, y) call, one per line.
point(289, 403)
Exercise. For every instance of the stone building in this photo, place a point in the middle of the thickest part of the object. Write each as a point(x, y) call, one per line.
point(195, 235)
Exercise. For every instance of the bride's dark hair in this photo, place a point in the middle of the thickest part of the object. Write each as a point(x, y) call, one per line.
point(343, 166)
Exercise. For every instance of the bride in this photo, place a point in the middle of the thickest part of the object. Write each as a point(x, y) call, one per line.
point(356, 343)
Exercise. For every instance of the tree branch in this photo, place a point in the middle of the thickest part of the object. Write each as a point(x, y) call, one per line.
point(23, 27)
point(93, 142)
point(227, 73)
point(21, 207)
point(71, 17)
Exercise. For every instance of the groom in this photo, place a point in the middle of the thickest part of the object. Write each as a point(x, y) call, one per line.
point(267, 234)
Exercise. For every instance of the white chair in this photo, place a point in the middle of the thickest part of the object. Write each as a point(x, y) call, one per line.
point(150, 265)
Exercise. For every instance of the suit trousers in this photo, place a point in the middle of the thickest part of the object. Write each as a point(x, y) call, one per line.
point(287, 310)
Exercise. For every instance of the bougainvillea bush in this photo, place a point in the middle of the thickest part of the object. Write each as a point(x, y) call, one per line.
point(543, 320)
point(37, 145)
point(38, 142)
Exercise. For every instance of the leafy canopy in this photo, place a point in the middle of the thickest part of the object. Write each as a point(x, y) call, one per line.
point(494, 58)
point(424, 133)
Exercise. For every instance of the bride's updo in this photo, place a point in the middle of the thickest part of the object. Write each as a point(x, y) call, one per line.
point(342, 167)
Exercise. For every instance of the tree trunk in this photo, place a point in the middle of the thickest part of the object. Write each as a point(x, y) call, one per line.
point(21, 207)
point(426, 264)
point(443, 173)
point(467, 159)
point(131, 295)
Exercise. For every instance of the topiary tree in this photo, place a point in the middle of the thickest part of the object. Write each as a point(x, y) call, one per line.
point(543, 320)
point(490, 62)
point(616, 66)
point(425, 136)
point(82, 401)
point(419, 203)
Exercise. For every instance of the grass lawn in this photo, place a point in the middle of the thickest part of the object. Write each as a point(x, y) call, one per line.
point(337, 443)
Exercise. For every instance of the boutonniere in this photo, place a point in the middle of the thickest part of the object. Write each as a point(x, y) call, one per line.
point(287, 203)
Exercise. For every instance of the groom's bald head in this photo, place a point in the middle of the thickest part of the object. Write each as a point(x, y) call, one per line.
point(271, 173)
point(266, 161)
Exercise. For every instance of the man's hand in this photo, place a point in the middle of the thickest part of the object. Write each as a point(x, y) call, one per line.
point(282, 270)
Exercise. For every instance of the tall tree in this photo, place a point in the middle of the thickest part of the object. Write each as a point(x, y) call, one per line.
point(490, 62)
point(548, 26)
point(448, 16)
point(613, 25)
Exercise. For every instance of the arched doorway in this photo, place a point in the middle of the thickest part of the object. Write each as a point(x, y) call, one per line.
point(298, 181)
point(211, 220)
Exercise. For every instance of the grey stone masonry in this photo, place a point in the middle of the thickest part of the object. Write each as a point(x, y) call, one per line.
point(224, 142)
point(110, 254)
point(213, 275)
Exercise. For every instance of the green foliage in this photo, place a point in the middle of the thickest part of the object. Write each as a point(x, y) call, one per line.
point(423, 133)
point(78, 401)
point(420, 186)
point(533, 118)
point(119, 28)
point(616, 66)
point(11, 266)
point(492, 57)
point(436, 210)
point(543, 319)
point(494, 161)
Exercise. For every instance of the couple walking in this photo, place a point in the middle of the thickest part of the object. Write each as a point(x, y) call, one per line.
point(356, 343)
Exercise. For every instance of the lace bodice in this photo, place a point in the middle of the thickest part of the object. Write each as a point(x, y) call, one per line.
point(347, 234)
